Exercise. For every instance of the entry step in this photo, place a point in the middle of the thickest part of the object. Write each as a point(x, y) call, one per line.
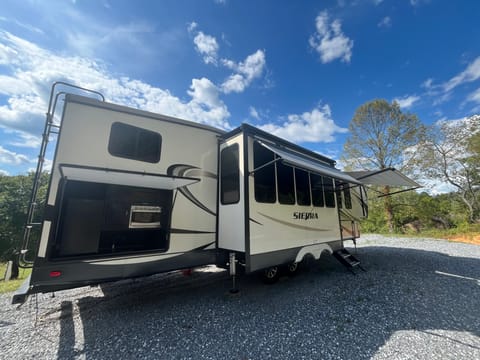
point(347, 259)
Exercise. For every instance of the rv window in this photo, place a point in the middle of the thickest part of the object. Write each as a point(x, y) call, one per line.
point(317, 190)
point(347, 196)
point(286, 185)
point(329, 192)
point(134, 143)
point(302, 184)
point(338, 192)
point(229, 175)
point(264, 177)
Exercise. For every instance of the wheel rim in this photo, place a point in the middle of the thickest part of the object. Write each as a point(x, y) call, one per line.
point(270, 273)
point(293, 267)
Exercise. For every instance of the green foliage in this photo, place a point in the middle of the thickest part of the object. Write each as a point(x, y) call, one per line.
point(380, 135)
point(416, 212)
point(452, 154)
point(376, 221)
point(8, 286)
point(474, 144)
point(15, 194)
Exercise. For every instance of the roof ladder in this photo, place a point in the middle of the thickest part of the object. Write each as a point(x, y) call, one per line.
point(50, 128)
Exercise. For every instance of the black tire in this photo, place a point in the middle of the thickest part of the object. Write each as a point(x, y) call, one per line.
point(292, 269)
point(271, 275)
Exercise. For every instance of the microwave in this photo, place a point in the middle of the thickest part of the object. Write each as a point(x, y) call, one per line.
point(144, 216)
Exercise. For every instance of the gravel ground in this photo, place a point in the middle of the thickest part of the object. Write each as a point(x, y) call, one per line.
point(419, 299)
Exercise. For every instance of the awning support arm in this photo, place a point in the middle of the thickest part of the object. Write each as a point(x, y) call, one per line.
point(397, 192)
point(264, 165)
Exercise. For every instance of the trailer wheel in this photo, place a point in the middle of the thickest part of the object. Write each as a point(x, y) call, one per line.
point(292, 268)
point(271, 275)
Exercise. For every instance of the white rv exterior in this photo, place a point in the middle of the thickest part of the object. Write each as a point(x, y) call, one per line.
point(131, 193)
point(134, 193)
point(284, 209)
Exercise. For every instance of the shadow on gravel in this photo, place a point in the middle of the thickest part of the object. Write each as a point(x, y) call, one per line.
point(322, 313)
point(67, 331)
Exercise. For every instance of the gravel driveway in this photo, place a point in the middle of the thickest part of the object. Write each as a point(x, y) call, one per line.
point(419, 299)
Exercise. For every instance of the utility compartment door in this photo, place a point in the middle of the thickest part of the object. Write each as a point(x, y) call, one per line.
point(231, 207)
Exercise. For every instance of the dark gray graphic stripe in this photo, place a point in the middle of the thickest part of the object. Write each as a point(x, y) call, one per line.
point(255, 221)
point(182, 170)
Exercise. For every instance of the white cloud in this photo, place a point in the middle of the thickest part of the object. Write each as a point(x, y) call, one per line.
point(22, 25)
point(207, 46)
point(407, 101)
point(254, 113)
point(474, 96)
point(12, 158)
point(471, 73)
point(192, 27)
point(234, 83)
point(245, 72)
point(416, 3)
point(25, 139)
point(102, 40)
point(4, 173)
point(101, 37)
point(314, 126)
point(443, 92)
point(32, 70)
point(329, 40)
point(427, 84)
point(386, 22)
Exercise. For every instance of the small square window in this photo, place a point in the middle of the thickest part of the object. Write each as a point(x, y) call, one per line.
point(134, 143)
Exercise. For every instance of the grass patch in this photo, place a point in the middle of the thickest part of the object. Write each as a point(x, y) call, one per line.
point(12, 285)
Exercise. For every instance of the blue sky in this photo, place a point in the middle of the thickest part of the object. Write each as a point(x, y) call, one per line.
point(298, 69)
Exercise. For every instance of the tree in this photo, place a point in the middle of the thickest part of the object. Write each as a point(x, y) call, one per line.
point(14, 197)
point(452, 153)
point(473, 148)
point(417, 212)
point(380, 137)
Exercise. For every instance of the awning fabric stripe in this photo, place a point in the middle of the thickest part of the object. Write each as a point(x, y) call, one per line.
point(385, 177)
point(310, 164)
point(121, 177)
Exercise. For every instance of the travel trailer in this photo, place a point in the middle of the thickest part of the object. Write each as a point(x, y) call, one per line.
point(133, 193)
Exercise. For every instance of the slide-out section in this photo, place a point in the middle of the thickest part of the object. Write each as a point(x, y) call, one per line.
point(99, 219)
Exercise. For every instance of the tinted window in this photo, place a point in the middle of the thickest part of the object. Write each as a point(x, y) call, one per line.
point(264, 177)
point(338, 192)
point(329, 192)
point(347, 196)
point(134, 143)
point(317, 190)
point(286, 185)
point(302, 184)
point(229, 175)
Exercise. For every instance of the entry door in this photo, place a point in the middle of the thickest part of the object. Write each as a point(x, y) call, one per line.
point(231, 213)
